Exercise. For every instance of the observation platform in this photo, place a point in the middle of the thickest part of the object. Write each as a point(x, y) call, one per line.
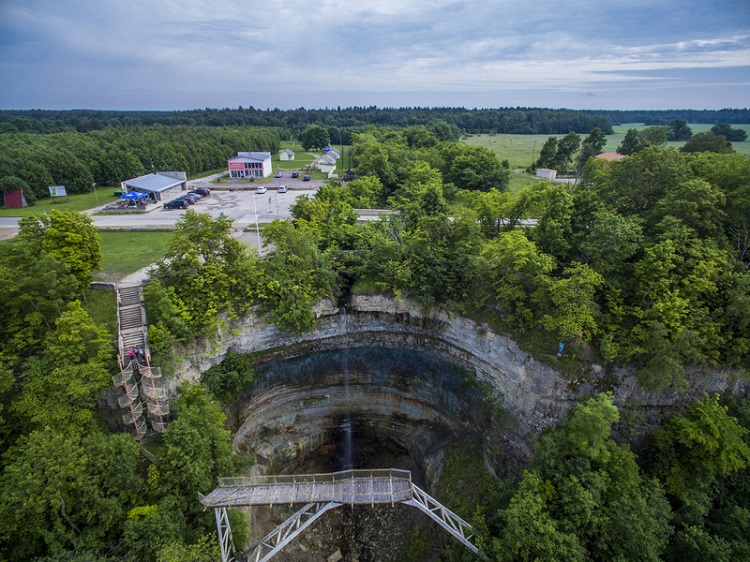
point(320, 493)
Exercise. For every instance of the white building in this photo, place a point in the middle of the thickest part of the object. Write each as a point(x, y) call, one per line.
point(546, 173)
point(250, 165)
point(286, 154)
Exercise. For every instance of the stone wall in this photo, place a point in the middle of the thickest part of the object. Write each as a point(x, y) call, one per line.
point(537, 394)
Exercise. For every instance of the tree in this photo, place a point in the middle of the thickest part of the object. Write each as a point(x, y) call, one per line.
point(208, 270)
point(60, 388)
point(548, 154)
point(477, 168)
point(630, 143)
point(708, 142)
point(698, 447)
point(584, 497)
point(34, 288)
point(197, 450)
point(678, 130)
point(612, 240)
point(70, 237)
point(566, 148)
point(60, 492)
point(591, 146)
point(530, 533)
point(295, 275)
point(574, 307)
point(516, 270)
point(726, 131)
point(314, 136)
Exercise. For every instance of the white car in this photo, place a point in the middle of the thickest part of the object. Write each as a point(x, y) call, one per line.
point(282, 189)
point(260, 190)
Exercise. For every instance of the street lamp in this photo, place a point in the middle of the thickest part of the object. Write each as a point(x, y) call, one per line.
point(96, 194)
point(257, 227)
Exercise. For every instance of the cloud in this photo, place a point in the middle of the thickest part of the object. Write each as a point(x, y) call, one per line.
point(202, 50)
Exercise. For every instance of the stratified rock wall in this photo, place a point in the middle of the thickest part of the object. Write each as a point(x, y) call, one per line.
point(537, 394)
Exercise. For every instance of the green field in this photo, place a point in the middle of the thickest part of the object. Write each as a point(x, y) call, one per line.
point(127, 251)
point(78, 202)
point(522, 150)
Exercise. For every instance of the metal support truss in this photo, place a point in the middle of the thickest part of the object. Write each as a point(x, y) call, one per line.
point(287, 531)
point(225, 534)
point(443, 516)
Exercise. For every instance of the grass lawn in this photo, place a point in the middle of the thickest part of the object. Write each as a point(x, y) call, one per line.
point(78, 202)
point(519, 150)
point(124, 252)
point(102, 306)
point(522, 150)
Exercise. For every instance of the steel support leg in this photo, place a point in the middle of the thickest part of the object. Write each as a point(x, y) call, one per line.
point(225, 534)
point(285, 533)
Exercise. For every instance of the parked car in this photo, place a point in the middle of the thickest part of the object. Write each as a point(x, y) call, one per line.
point(260, 190)
point(195, 194)
point(176, 204)
point(295, 174)
point(202, 190)
point(279, 175)
point(282, 189)
point(191, 199)
point(306, 178)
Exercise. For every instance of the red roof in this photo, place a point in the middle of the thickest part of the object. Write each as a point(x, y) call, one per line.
point(610, 156)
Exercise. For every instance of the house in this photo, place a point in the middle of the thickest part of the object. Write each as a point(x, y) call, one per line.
point(250, 165)
point(286, 154)
point(159, 186)
point(546, 173)
point(325, 163)
point(333, 151)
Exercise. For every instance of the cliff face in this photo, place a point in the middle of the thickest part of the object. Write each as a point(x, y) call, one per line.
point(536, 394)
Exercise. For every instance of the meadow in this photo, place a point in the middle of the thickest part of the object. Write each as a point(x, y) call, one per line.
point(522, 150)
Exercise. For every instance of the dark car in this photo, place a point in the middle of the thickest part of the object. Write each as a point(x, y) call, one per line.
point(295, 174)
point(306, 178)
point(202, 190)
point(176, 204)
point(191, 199)
point(195, 194)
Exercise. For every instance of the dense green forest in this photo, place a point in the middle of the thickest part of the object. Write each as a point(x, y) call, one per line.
point(643, 263)
point(516, 120)
point(77, 160)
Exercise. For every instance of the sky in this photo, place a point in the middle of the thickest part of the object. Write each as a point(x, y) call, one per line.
point(287, 54)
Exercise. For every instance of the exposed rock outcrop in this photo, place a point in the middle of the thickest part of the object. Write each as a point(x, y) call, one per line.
point(537, 394)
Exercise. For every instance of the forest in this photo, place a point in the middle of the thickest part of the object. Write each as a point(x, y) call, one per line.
point(515, 120)
point(642, 264)
point(78, 160)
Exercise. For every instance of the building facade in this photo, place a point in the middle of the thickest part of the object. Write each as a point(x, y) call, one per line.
point(250, 165)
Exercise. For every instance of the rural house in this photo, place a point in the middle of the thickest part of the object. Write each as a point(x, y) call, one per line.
point(286, 154)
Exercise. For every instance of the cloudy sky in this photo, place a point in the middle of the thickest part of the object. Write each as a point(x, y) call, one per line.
point(187, 54)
